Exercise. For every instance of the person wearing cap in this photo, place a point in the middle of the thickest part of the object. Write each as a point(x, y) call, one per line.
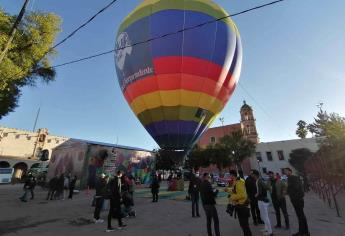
point(208, 195)
point(278, 191)
point(263, 202)
point(238, 198)
point(296, 194)
point(101, 184)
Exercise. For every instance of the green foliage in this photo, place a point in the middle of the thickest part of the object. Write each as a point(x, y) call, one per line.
point(168, 159)
point(197, 158)
point(298, 157)
point(232, 149)
point(301, 129)
point(28, 57)
point(237, 148)
point(318, 126)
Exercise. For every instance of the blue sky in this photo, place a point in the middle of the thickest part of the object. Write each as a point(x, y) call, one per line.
point(294, 54)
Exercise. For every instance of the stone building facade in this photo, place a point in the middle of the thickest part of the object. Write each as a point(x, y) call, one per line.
point(21, 149)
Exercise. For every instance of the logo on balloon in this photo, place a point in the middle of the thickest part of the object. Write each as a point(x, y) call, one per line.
point(123, 48)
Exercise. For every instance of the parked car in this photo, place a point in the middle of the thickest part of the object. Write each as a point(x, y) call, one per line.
point(224, 180)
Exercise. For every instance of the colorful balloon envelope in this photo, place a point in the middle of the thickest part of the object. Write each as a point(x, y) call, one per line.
point(177, 83)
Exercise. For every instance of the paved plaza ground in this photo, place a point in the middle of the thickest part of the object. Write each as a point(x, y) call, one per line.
point(170, 216)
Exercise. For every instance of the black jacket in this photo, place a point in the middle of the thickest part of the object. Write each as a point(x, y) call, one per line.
point(155, 185)
point(250, 187)
point(295, 189)
point(113, 189)
point(207, 193)
point(194, 185)
point(101, 187)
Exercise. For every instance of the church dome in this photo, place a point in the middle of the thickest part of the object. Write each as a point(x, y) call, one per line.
point(245, 106)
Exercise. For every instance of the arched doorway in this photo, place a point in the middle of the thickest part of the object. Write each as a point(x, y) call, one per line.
point(20, 170)
point(4, 164)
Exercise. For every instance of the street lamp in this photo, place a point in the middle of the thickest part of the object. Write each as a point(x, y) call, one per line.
point(221, 119)
point(259, 166)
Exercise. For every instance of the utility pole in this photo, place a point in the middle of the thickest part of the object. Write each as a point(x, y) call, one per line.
point(13, 30)
point(38, 113)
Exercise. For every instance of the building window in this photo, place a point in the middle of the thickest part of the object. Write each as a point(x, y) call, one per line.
point(49, 140)
point(42, 138)
point(264, 170)
point(281, 155)
point(17, 136)
point(213, 139)
point(28, 138)
point(269, 156)
point(5, 135)
point(246, 117)
point(258, 156)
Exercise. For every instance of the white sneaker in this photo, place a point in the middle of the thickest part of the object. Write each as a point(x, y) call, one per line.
point(99, 221)
point(263, 230)
point(94, 220)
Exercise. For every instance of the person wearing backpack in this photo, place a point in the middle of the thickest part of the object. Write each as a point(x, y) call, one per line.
point(194, 192)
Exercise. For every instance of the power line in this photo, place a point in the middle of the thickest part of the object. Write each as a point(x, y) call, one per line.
point(70, 36)
point(150, 39)
point(168, 34)
point(83, 25)
point(259, 105)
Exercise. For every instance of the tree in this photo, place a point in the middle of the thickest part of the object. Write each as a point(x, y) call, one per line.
point(298, 157)
point(197, 158)
point(237, 148)
point(318, 126)
point(28, 57)
point(301, 129)
point(168, 159)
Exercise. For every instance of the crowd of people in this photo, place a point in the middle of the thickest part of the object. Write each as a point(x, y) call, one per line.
point(251, 197)
point(61, 186)
point(118, 193)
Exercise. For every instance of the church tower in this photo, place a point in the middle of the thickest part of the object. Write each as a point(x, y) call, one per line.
point(248, 123)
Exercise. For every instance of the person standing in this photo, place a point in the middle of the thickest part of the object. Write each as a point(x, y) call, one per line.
point(238, 198)
point(155, 188)
point(60, 187)
point(208, 195)
point(296, 194)
point(263, 201)
point(278, 192)
point(101, 187)
point(194, 192)
point(72, 182)
point(29, 185)
point(114, 190)
point(251, 191)
point(52, 187)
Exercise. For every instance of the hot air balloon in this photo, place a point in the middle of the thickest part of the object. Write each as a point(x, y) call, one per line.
point(182, 74)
